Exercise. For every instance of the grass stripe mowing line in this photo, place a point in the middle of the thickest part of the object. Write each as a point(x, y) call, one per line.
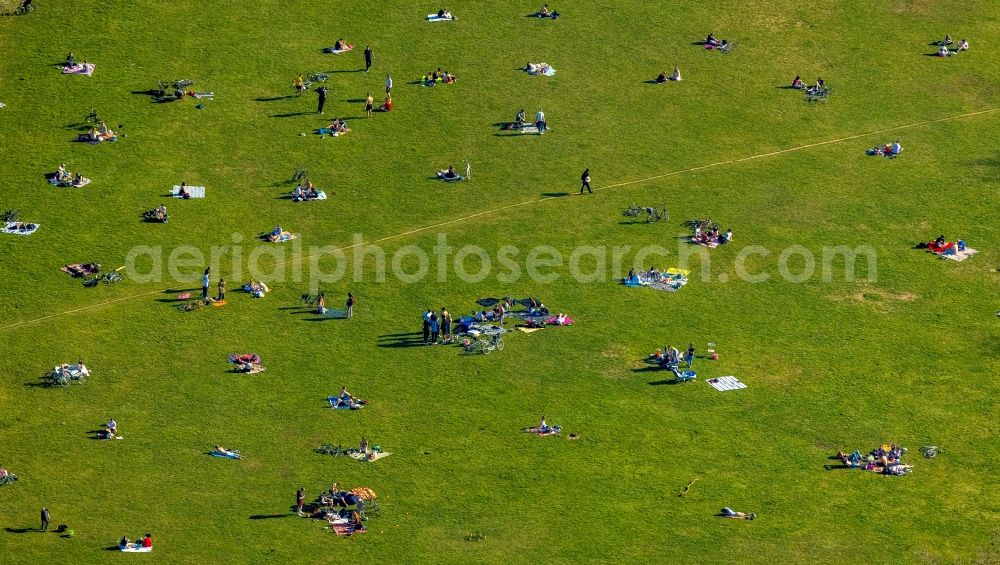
point(544, 199)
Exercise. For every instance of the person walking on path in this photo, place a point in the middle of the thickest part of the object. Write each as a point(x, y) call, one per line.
point(368, 57)
point(204, 284)
point(300, 500)
point(45, 519)
point(321, 91)
point(689, 356)
point(368, 104)
point(585, 181)
point(222, 289)
point(350, 305)
point(388, 84)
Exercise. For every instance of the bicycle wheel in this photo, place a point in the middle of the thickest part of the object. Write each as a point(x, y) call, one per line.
point(488, 348)
point(500, 344)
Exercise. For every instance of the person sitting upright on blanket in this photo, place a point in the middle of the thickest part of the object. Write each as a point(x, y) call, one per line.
point(444, 13)
point(711, 40)
point(61, 172)
point(519, 119)
point(321, 304)
point(183, 192)
point(662, 77)
point(797, 83)
point(111, 429)
point(70, 60)
point(340, 45)
point(963, 45)
point(543, 426)
point(448, 173)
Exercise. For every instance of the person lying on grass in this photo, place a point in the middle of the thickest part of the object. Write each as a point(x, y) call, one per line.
point(338, 126)
point(341, 45)
point(226, 452)
point(728, 512)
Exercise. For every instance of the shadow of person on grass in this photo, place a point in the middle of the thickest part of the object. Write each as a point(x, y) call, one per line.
point(21, 530)
point(554, 194)
point(412, 339)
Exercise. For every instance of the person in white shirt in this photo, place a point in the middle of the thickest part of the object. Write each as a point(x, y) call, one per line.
point(540, 121)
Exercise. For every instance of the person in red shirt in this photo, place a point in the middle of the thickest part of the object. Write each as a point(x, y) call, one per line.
point(148, 541)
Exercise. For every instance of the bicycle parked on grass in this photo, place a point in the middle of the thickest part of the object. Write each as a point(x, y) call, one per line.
point(106, 278)
point(652, 214)
point(26, 7)
point(486, 346)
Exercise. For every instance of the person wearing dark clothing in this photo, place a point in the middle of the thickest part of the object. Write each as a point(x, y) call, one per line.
point(435, 328)
point(300, 499)
point(427, 326)
point(321, 91)
point(350, 305)
point(368, 57)
point(585, 181)
point(45, 519)
point(689, 356)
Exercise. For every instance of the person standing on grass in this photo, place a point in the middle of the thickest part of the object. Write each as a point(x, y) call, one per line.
point(350, 305)
point(321, 91)
point(222, 289)
point(435, 328)
point(388, 84)
point(689, 355)
point(45, 519)
point(585, 181)
point(368, 57)
point(300, 496)
point(204, 284)
point(445, 324)
point(427, 325)
point(368, 105)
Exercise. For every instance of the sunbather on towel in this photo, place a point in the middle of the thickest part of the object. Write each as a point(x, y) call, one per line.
point(444, 13)
point(233, 453)
point(110, 429)
point(275, 234)
point(537, 68)
point(730, 513)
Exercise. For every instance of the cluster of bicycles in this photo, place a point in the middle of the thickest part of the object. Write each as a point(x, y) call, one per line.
point(106, 278)
point(652, 214)
point(485, 343)
point(817, 93)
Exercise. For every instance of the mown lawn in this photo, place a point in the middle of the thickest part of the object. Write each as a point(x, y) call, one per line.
point(910, 356)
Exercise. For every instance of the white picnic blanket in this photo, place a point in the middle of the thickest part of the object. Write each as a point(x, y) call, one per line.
point(200, 95)
point(375, 456)
point(530, 128)
point(726, 383)
point(437, 18)
point(133, 549)
point(196, 191)
point(320, 195)
point(9, 228)
point(80, 69)
point(958, 255)
point(332, 51)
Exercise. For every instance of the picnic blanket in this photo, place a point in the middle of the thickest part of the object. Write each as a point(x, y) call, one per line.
point(347, 528)
point(68, 182)
point(726, 383)
point(336, 405)
point(364, 493)
point(80, 269)
point(437, 18)
point(531, 128)
point(19, 228)
point(334, 313)
point(227, 454)
point(955, 255)
point(195, 191)
point(320, 195)
point(136, 549)
point(551, 431)
point(370, 456)
point(527, 330)
point(79, 69)
point(331, 133)
point(332, 51)
point(541, 69)
point(554, 321)
point(710, 243)
point(285, 236)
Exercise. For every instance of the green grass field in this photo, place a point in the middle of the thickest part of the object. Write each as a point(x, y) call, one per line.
point(909, 357)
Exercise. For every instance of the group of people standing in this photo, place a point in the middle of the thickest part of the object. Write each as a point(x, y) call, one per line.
point(437, 326)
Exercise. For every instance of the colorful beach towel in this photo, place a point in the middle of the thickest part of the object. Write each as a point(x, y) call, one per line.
point(437, 18)
point(194, 191)
point(957, 255)
point(550, 431)
point(726, 383)
point(79, 69)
